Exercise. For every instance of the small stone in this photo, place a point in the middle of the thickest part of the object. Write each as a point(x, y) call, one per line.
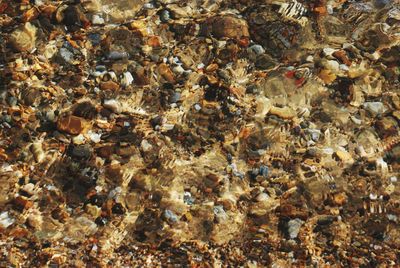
point(340, 199)
point(344, 156)
point(166, 73)
point(106, 151)
point(187, 198)
point(170, 216)
point(109, 85)
point(333, 66)
point(176, 96)
point(35, 219)
point(66, 55)
point(112, 105)
point(373, 196)
point(328, 51)
point(264, 61)
point(327, 76)
point(82, 152)
point(294, 227)
point(220, 213)
point(127, 79)
point(12, 101)
point(146, 146)
point(74, 16)
point(22, 202)
point(229, 27)
point(285, 113)
point(126, 151)
point(71, 124)
point(94, 137)
point(80, 139)
point(5, 220)
point(197, 107)
point(24, 38)
point(257, 49)
point(165, 16)
point(117, 55)
point(264, 171)
point(381, 3)
point(374, 108)
point(93, 210)
point(262, 197)
point(97, 19)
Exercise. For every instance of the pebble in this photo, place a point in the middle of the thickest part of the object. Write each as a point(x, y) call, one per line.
point(71, 124)
point(262, 197)
point(66, 55)
point(97, 19)
point(5, 220)
point(375, 108)
point(197, 107)
point(165, 16)
point(117, 55)
point(24, 38)
point(328, 51)
point(82, 152)
point(146, 146)
point(12, 101)
point(94, 137)
point(294, 227)
point(264, 171)
point(258, 49)
point(170, 216)
point(220, 213)
point(228, 26)
point(176, 96)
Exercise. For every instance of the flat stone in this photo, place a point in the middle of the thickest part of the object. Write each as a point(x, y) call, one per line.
point(71, 124)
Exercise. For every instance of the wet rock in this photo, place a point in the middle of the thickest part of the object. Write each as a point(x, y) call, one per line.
point(117, 55)
point(170, 216)
point(74, 16)
point(71, 124)
point(5, 220)
point(166, 73)
point(294, 227)
point(112, 105)
point(109, 85)
point(265, 62)
point(375, 108)
point(227, 27)
point(24, 38)
point(165, 16)
point(82, 152)
point(386, 127)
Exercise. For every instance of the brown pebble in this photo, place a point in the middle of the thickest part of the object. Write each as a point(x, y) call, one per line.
point(71, 124)
point(109, 85)
point(340, 199)
point(166, 73)
point(22, 202)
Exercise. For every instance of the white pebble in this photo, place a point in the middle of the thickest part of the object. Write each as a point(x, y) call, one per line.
point(146, 146)
point(127, 79)
point(97, 19)
point(5, 220)
point(113, 105)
